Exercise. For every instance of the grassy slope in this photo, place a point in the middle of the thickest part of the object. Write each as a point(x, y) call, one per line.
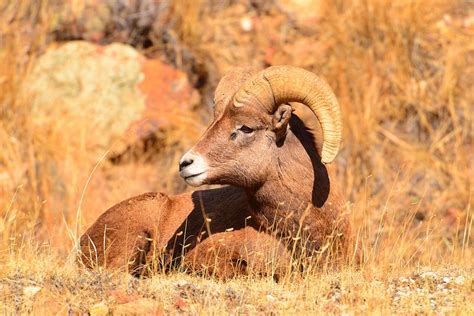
point(44, 285)
point(403, 75)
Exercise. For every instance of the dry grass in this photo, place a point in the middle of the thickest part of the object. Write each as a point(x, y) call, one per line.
point(403, 72)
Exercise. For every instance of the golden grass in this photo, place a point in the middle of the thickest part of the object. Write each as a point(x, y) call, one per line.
point(403, 73)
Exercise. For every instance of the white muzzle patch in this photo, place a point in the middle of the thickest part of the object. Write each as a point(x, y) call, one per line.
point(193, 168)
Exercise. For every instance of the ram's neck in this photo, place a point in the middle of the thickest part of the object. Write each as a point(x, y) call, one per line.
point(299, 195)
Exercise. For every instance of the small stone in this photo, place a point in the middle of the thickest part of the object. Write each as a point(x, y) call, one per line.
point(181, 283)
point(31, 291)
point(403, 280)
point(99, 309)
point(447, 280)
point(246, 24)
point(121, 297)
point(305, 12)
point(459, 280)
point(420, 216)
point(429, 275)
point(180, 304)
point(400, 294)
point(271, 298)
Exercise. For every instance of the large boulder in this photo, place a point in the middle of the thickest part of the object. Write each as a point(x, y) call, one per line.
point(106, 97)
point(89, 100)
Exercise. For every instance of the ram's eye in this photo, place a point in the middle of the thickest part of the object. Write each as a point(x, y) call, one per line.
point(245, 129)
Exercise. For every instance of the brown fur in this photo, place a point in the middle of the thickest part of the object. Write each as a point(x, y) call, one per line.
point(287, 192)
point(288, 188)
point(156, 228)
point(240, 252)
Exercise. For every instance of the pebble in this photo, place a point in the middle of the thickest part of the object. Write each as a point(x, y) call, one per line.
point(181, 283)
point(271, 298)
point(459, 280)
point(31, 291)
point(446, 280)
point(429, 275)
point(246, 24)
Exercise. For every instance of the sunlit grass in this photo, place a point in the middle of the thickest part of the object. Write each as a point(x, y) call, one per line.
point(402, 72)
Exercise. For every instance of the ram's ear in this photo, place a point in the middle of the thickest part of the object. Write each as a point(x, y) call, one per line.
point(280, 120)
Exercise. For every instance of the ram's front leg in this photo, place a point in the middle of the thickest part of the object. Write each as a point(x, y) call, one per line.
point(240, 252)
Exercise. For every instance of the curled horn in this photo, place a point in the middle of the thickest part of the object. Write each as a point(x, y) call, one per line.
point(227, 87)
point(283, 84)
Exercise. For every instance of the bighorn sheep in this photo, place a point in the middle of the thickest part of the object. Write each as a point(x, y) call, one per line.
point(280, 192)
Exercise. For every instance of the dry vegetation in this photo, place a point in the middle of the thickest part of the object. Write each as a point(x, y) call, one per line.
point(404, 74)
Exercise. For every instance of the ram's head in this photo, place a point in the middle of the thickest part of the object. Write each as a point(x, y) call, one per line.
point(251, 118)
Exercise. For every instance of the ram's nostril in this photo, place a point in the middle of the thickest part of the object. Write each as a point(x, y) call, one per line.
point(183, 164)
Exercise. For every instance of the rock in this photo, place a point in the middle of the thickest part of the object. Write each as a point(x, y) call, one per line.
point(105, 97)
point(141, 306)
point(99, 309)
point(403, 280)
point(107, 21)
point(270, 298)
point(121, 297)
point(446, 280)
point(459, 280)
point(30, 291)
point(429, 275)
point(303, 11)
point(181, 283)
point(180, 304)
point(246, 24)
point(30, 295)
point(168, 96)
